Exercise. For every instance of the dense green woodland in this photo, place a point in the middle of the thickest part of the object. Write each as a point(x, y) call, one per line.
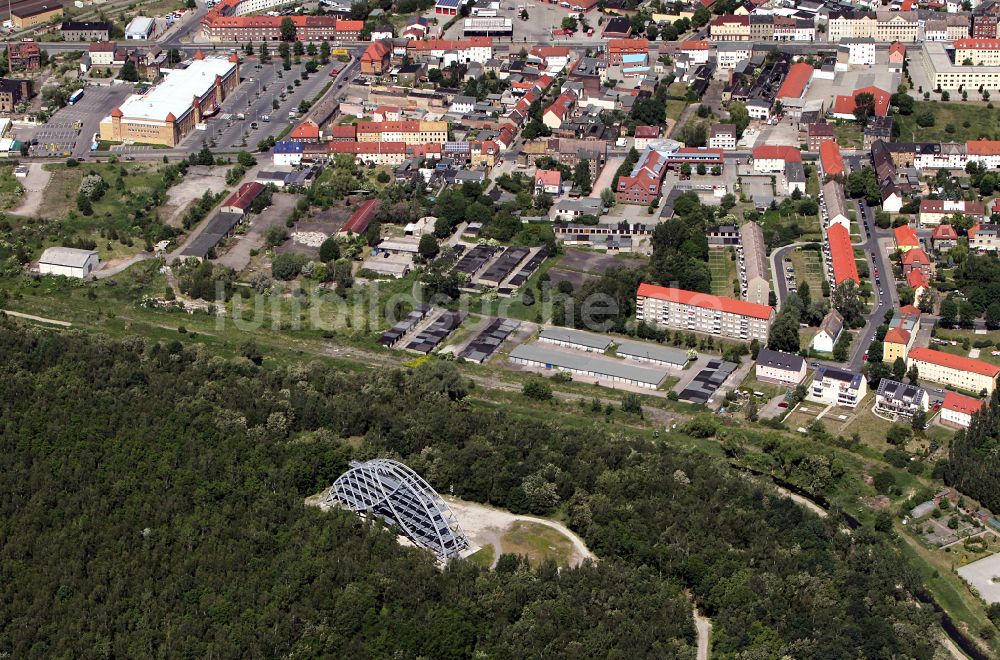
point(152, 506)
point(974, 462)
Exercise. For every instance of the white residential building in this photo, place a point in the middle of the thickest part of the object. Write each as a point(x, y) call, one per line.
point(781, 368)
point(860, 52)
point(958, 409)
point(837, 387)
point(829, 331)
point(897, 398)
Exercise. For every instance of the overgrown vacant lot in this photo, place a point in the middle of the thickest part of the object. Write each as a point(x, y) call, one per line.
point(10, 189)
point(140, 180)
point(983, 122)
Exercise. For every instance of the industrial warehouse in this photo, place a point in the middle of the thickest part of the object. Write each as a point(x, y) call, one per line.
point(605, 370)
point(169, 112)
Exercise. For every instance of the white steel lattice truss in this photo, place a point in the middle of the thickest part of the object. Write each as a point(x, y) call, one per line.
point(402, 498)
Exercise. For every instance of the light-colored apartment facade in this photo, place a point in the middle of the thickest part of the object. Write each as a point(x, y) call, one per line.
point(700, 312)
point(961, 372)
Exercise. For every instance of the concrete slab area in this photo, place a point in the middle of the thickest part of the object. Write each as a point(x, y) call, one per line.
point(984, 575)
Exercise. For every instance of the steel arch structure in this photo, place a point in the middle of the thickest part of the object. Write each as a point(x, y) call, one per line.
point(398, 495)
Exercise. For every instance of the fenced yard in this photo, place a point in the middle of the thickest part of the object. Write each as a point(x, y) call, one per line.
point(723, 270)
point(808, 268)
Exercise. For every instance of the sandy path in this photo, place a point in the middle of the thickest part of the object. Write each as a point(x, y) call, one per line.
point(39, 319)
point(809, 504)
point(704, 628)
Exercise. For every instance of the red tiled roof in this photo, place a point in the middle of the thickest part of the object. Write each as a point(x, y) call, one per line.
point(350, 26)
point(560, 107)
point(405, 126)
point(341, 132)
point(959, 362)
point(983, 147)
point(977, 44)
point(842, 255)
point(706, 300)
point(548, 177)
point(361, 218)
point(897, 47)
point(355, 148)
point(777, 152)
point(647, 131)
point(376, 52)
point(795, 82)
point(916, 257)
point(545, 52)
point(728, 19)
point(450, 44)
point(917, 280)
point(938, 206)
point(821, 130)
point(961, 403)
point(845, 105)
point(307, 130)
point(833, 162)
point(244, 197)
point(906, 236)
point(944, 232)
point(695, 44)
point(910, 310)
point(628, 45)
point(897, 336)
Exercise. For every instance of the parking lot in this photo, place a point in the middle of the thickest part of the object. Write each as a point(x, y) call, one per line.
point(542, 19)
point(70, 130)
point(254, 100)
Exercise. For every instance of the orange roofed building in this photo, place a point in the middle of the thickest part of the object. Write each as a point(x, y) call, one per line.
point(702, 312)
point(842, 255)
point(844, 106)
point(376, 58)
point(830, 159)
point(961, 372)
point(796, 82)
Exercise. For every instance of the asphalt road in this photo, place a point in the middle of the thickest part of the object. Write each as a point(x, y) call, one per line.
point(889, 300)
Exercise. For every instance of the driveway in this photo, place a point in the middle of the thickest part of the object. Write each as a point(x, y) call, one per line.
point(607, 176)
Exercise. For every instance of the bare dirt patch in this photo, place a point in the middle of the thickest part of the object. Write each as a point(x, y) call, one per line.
point(194, 184)
point(538, 538)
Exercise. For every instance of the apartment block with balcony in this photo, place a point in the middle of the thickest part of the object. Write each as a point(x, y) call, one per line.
point(837, 387)
point(704, 313)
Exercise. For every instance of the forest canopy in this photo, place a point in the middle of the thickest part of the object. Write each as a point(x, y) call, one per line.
point(152, 505)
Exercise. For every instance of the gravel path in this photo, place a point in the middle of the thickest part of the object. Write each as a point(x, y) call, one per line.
point(34, 190)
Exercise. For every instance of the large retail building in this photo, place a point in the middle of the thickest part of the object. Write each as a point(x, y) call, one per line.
point(167, 113)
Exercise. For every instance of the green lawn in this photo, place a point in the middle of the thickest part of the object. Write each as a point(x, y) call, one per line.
point(849, 134)
point(482, 557)
point(537, 542)
point(770, 390)
point(812, 183)
point(982, 122)
point(809, 226)
point(808, 268)
point(675, 108)
point(723, 270)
